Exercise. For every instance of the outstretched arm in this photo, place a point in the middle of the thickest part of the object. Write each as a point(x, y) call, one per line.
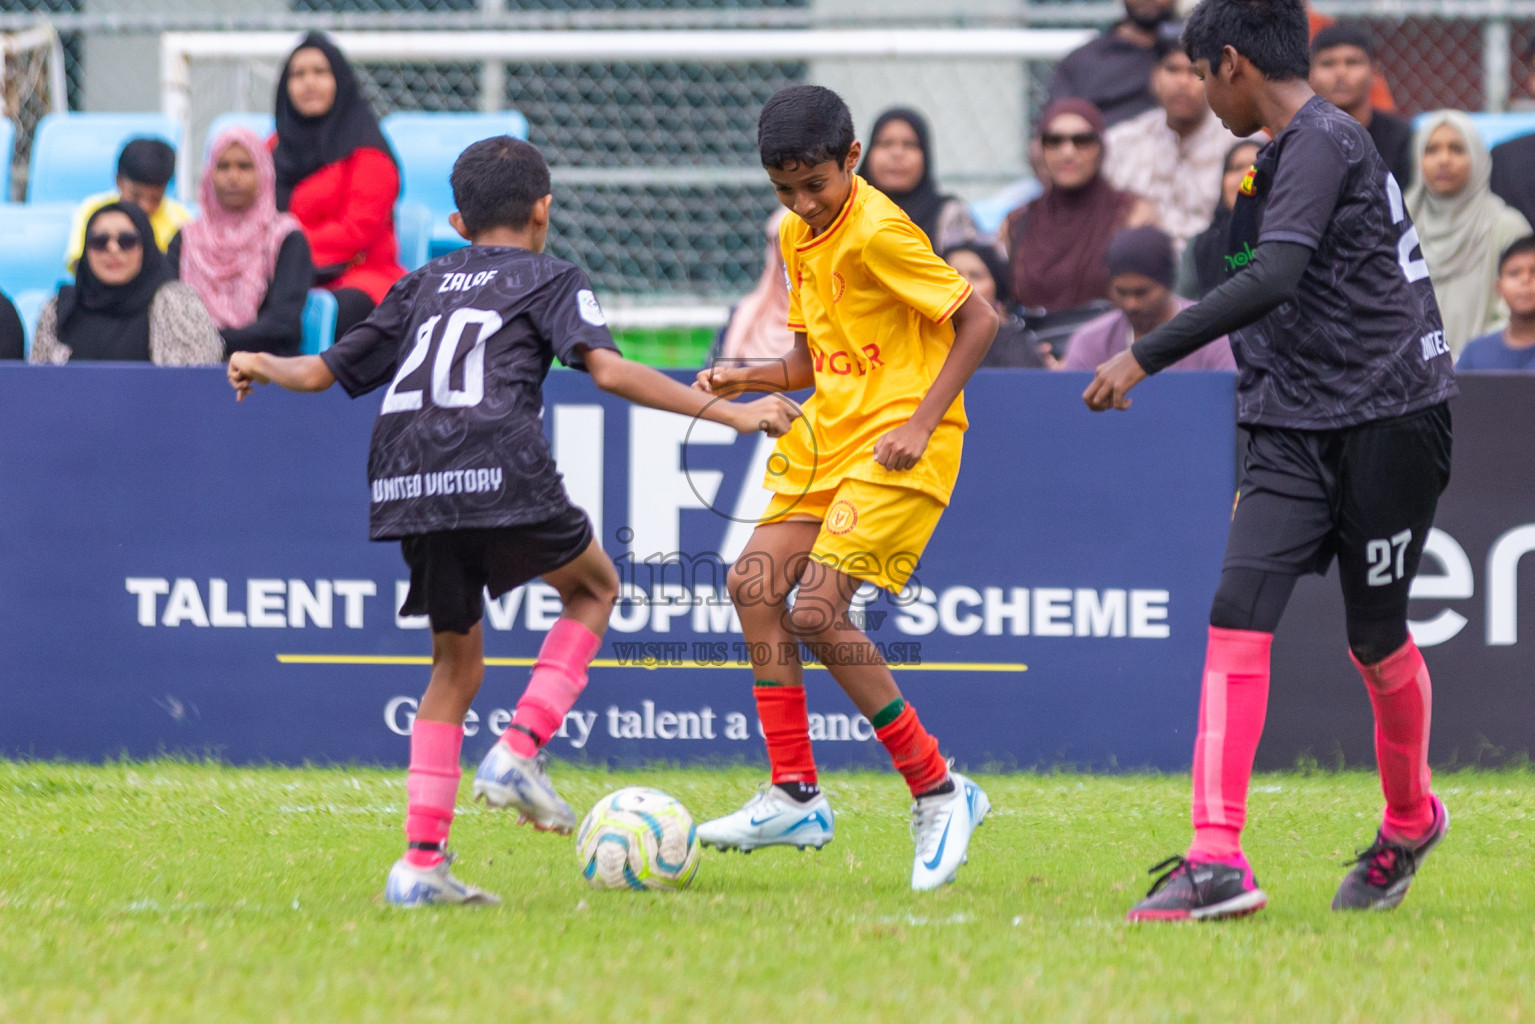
point(296, 373)
point(975, 326)
point(792, 372)
point(1268, 281)
point(647, 386)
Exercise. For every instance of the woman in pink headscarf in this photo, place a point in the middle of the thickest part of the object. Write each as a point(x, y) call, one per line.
point(248, 263)
point(759, 324)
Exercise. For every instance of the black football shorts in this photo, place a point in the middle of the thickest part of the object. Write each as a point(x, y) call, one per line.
point(450, 570)
point(1364, 494)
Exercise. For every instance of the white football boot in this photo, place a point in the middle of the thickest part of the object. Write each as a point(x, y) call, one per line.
point(522, 784)
point(410, 886)
point(771, 818)
point(941, 826)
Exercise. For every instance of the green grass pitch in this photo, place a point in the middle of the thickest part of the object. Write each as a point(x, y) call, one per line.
point(169, 892)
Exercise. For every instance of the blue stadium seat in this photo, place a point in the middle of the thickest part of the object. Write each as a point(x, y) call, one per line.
point(1496, 128)
point(33, 239)
point(319, 322)
point(427, 145)
point(75, 155)
point(413, 225)
point(262, 124)
point(29, 306)
point(7, 155)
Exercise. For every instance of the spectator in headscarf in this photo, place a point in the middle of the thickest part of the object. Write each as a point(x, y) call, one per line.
point(1140, 265)
point(1056, 243)
point(338, 176)
point(144, 168)
point(1203, 266)
point(248, 263)
point(1462, 226)
point(899, 162)
point(124, 305)
point(759, 325)
point(1014, 344)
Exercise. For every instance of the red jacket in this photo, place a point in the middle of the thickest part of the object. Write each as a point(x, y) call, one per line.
point(347, 211)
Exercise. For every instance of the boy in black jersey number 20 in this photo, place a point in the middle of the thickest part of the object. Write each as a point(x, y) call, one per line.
point(461, 474)
point(1343, 379)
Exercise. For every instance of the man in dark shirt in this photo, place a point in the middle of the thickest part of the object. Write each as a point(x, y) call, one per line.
point(1343, 381)
point(459, 471)
point(1513, 163)
point(1113, 72)
point(1343, 70)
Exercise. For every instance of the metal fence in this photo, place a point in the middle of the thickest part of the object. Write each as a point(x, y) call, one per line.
point(660, 194)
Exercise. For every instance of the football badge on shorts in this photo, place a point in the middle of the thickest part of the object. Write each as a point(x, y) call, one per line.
point(841, 517)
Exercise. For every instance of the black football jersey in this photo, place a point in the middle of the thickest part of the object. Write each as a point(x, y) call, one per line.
point(464, 345)
point(1362, 339)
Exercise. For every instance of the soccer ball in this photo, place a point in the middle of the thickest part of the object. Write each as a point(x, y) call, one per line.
point(638, 838)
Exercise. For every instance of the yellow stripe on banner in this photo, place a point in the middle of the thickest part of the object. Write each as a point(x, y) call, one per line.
point(392, 659)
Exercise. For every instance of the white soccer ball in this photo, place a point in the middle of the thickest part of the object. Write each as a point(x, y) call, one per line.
point(638, 838)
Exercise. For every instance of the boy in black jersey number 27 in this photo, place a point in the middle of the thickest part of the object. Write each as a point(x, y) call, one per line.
point(461, 474)
point(1343, 379)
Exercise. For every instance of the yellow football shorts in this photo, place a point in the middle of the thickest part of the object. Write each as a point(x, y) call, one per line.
point(869, 531)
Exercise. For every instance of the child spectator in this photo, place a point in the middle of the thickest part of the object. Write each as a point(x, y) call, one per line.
point(1204, 264)
point(144, 168)
point(1056, 243)
point(338, 176)
point(124, 306)
point(1343, 69)
point(1140, 263)
point(900, 164)
point(1462, 227)
point(758, 326)
point(1113, 72)
point(1015, 345)
point(248, 263)
point(1171, 154)
point(1512, 348)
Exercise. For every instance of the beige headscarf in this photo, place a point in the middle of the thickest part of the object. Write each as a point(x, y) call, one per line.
point(759, 328)
point(1463, 234)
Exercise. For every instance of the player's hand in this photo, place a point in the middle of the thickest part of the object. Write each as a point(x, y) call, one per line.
point(718, 380)
point(772, 415)
point(243, 374)
point(1112, 382)
point(901, 448)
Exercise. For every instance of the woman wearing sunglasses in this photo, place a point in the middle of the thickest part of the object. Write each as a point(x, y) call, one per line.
point(1056, 244)
point(124, 305)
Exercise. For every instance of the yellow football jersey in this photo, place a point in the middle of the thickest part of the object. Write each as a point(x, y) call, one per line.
point(874, 302)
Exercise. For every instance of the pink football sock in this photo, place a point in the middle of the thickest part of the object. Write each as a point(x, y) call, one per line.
point(1403, 700)
point(1232, 706)
point(559, 676)
point(431, 788)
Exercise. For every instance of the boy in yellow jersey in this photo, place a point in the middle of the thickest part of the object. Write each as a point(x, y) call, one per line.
point(888, 334)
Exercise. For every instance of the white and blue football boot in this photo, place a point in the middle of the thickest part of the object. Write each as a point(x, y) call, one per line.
point(942, 826)
point(410, 886)
point(772, 818)
point(522, 784)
